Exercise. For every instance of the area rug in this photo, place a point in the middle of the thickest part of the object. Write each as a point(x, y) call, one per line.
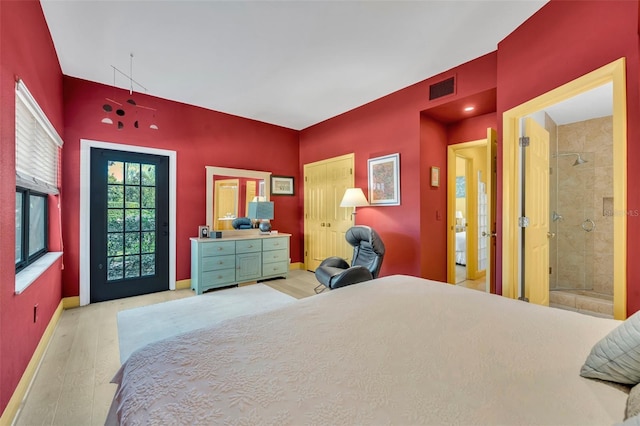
point(140, 326)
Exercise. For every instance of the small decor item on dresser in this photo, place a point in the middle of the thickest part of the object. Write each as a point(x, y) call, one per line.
point(265, 227)
point(203, 231)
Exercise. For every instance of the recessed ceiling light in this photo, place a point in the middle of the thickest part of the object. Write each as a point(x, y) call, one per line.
point(469, 108)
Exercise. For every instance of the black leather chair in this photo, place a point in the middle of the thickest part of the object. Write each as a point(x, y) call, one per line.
point(368, 253)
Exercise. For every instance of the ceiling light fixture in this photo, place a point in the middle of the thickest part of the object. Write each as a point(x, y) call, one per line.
point(120, 111)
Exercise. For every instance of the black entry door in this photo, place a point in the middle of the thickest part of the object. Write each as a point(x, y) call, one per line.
point(129, 224)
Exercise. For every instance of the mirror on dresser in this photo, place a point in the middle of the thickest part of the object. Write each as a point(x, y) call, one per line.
point(228, 192)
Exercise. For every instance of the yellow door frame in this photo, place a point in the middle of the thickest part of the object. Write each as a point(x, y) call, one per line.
point(452, 152)
point(511, 191)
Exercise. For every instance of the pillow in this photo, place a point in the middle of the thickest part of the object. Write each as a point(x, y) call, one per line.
point(616, 357)
point(633, 403)
point(631, 421)
point(241, 223)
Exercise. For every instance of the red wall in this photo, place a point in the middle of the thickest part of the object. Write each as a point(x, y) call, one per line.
point(561, 42)
point(26, 51)
point(200, 137)
point(414, 233)
point(564, 40)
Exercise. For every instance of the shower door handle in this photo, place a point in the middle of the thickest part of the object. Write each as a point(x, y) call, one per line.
point(551, 235)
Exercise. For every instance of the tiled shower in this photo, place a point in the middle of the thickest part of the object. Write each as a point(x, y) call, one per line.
point(581, 207)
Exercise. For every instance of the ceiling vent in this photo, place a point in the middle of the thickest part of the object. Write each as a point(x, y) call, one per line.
point(443, 88)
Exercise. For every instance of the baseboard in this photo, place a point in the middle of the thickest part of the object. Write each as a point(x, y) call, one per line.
point(14, 405)
point(71, 302)
point(183, 284)
point(296, 265)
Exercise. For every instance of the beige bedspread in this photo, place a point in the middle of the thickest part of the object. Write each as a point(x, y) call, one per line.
point(397, 350)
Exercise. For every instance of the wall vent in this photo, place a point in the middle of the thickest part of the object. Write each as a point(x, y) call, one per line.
point(443, 88)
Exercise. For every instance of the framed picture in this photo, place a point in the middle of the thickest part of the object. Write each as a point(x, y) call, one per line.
point(461, 187)
point(435, 176)
point(384, 180)
point(281, 185)
point(203, 231)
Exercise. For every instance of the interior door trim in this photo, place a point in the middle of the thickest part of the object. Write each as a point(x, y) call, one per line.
point(452, 152)
point(85, 208)
point(612, 72)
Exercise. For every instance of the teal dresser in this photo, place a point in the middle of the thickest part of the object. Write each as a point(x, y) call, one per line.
point(222, 262)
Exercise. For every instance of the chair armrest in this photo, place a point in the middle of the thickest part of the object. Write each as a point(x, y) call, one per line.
point(353, 275)
point(334, 262)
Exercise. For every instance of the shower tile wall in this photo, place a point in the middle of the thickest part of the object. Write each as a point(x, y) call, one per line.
point(585, 259)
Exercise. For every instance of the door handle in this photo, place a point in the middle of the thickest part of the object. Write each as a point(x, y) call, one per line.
point(488, 234)
point(551, 235)
point(328, 225)
point(322, 225)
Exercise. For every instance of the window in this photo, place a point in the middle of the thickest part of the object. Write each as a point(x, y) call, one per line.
point(31, 226)
point(37, 156)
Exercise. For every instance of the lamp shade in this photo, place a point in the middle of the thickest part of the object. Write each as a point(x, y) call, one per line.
point(354, 197)
point(459, 215)
point(261, 210)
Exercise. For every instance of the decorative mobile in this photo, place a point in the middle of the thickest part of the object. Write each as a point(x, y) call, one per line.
point(119, 107)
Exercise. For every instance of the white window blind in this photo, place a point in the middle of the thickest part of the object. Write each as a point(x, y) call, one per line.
point(37, 145)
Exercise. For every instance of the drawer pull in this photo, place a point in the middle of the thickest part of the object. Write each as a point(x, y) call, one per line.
point(220, 249)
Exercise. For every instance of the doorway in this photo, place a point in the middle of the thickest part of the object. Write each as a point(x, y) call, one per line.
point(226, 205)
point(85, 209)
point(545, 240)
point(471, 213)
point(129, 224)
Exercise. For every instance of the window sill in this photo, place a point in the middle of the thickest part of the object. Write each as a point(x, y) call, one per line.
point(32, 272)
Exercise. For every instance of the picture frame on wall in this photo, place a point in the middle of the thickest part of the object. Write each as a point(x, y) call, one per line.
point(384, 180)
point(282, 185)
point(435, 176)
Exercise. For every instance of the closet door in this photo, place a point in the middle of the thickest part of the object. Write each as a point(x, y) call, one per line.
point(314, 214)
point(338, 219)
point(325, 222)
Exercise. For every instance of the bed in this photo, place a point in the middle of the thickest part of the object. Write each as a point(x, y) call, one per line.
point(461, 248)
point(395, 350)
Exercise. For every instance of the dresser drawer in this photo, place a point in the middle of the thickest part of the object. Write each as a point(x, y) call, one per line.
point(248, 246)
point(214, 263)
point(278, 268)
point(217, 248)
point(218, 278)
point(275, 256)
point(275, 243)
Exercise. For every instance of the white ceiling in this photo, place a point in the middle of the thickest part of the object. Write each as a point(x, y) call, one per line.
point(289, 63)
point(595, 103)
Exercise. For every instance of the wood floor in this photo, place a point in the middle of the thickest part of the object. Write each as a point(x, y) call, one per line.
point(71, 386)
